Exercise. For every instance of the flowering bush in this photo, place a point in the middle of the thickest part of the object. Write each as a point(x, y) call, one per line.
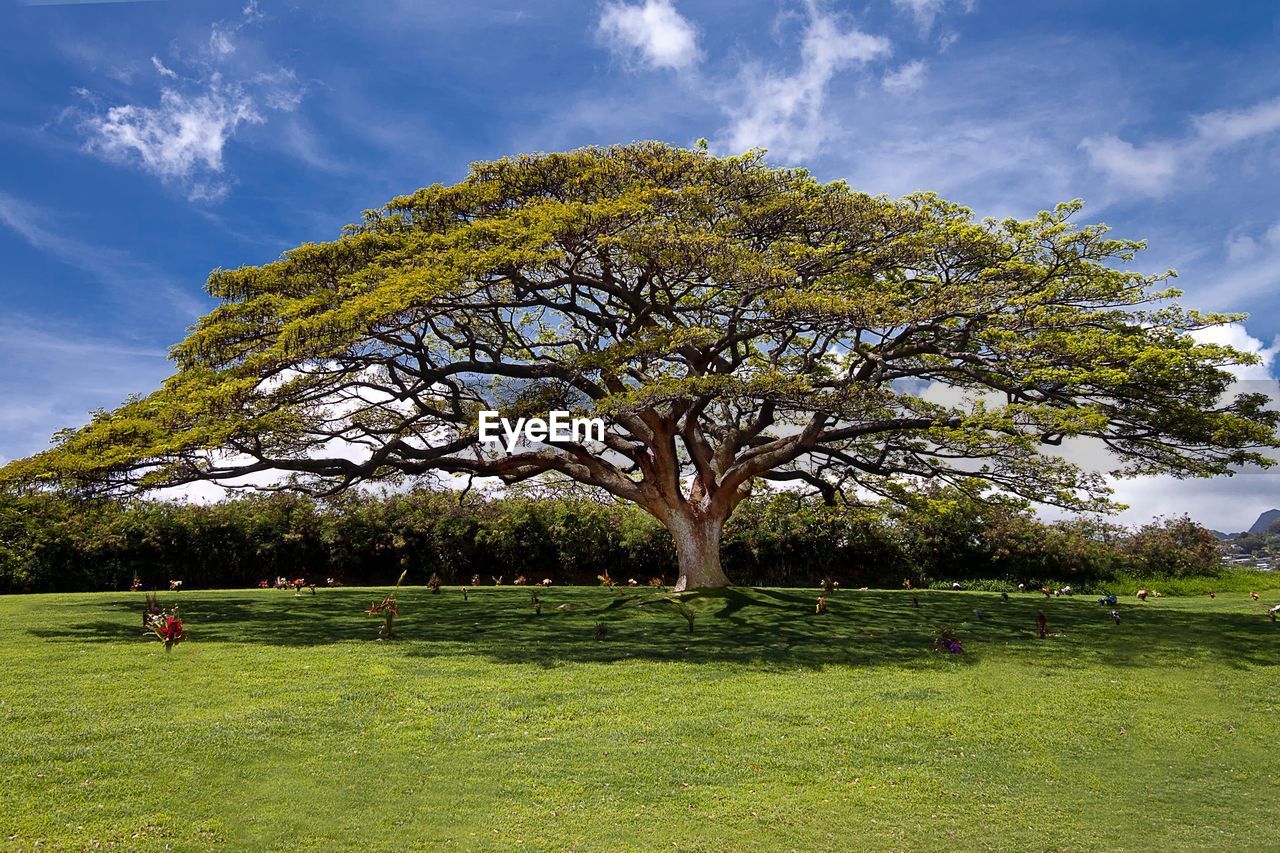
point(388, 610)
point(165, 624)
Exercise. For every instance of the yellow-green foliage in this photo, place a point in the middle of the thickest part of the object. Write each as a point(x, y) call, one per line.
point(694, 295)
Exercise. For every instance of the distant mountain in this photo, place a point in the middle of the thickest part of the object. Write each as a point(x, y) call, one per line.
point(1264, 521)
point(1218, 534)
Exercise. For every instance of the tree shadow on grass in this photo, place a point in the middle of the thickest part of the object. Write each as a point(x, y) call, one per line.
point(762, 628)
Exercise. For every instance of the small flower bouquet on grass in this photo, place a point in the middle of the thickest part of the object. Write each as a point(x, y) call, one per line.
point(945, 640)
point(388, 610)
point(165, 624)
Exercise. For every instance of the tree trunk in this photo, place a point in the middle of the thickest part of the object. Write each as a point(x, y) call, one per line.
point(698, 549)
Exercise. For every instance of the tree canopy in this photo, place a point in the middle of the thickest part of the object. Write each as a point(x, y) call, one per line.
point(730, 321)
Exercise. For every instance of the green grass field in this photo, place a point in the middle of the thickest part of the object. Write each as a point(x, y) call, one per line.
point(281, 723)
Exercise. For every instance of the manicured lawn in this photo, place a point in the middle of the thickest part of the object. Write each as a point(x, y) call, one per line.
point(282, 724)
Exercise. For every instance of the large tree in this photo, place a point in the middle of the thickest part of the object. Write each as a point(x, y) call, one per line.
point(731, 321)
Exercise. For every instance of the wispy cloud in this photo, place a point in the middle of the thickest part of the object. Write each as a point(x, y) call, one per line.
point(785, 112)
point(162, 69)
point(117, 269)
point(55, 374)
point(978, 129)
point(652, 31)
point(1249, 272)
point(827, 83)
point(906, 79)
point(1157, 167)
point(181, 138)
point(926, 12)
point(1148, 169)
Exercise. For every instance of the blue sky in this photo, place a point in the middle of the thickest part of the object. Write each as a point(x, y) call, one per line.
point(147, 143)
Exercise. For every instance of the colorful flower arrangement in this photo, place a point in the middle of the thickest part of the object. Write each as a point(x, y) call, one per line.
point(388, 610)
point(165, 624)
point(946, 641)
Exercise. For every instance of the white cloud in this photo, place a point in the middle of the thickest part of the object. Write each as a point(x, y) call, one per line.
point(1243, 247)
point(1147, 169)
point(54, 376)
point(1251, 271)
point(1000, 166)
point(1228, 127)
point(116, 268)
point(1227, 504)
point(925, 12)
point(181, 138)
point(223, 34)
point(785, 112)
point(1235, 335)
point(278, 89)
point(905, 79)
point(221, 42)
point(162, 69)
point(1153, 168)
point(655, 31)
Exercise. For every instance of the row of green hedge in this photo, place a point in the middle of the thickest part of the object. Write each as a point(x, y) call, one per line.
point(56, 544)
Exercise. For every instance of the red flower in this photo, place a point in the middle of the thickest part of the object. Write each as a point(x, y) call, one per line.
point(387, 605)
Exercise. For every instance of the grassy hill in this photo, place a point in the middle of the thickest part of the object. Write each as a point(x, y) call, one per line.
point(281, 723)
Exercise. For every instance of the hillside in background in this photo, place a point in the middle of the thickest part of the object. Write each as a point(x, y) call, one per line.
point(1264, 522)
